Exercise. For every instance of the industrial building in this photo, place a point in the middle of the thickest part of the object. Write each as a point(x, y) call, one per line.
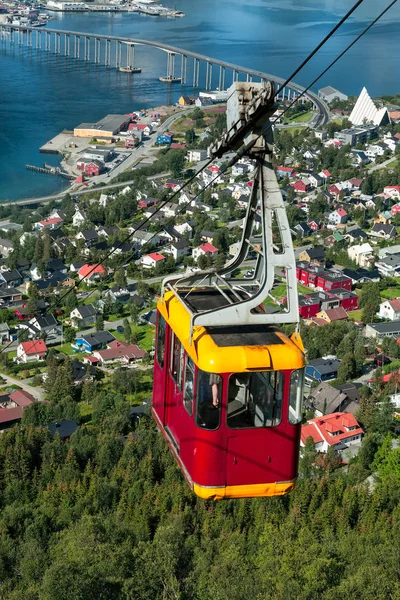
point(107, 127)
point(329, 94)
point(354, 135)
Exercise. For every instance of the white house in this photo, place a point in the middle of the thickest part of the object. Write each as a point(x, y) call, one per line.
point(204, 249)
point(390, 309)
point(179, 249)
point(339, 430)
point(184, 228)
point(361, 254)
point(83, 315)
point(31, 351)
point(196, 155)
point(338, 216)
point(78, 218)
point(150, 261)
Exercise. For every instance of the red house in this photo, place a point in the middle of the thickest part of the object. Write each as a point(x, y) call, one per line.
point(333, 280)
point(334, 190)
point(348, 300)
point(308, 306)
point(90, 167)
point(299, 186)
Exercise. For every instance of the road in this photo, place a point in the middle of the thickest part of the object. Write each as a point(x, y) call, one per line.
point(37, 392)
point(382, 165)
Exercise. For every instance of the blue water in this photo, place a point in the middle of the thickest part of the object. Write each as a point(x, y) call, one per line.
point(41, 94)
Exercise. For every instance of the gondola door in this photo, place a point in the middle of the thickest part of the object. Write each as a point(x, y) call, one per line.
point(175, 390)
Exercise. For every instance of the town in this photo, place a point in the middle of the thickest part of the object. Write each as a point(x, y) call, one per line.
point(79, 278)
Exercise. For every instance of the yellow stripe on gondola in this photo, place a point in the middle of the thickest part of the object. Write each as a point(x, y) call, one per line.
point(258, 490)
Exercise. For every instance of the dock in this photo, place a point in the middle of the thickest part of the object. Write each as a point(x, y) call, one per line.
point(55, 145)
point(49, 170)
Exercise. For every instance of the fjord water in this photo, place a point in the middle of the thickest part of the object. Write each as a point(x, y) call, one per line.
point(41, 94)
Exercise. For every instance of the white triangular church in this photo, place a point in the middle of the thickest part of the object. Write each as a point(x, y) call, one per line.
point(365, 111)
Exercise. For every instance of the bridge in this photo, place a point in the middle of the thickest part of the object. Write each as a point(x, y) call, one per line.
point(119, 53)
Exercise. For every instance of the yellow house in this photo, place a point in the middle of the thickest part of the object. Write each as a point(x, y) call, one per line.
point(185, 101)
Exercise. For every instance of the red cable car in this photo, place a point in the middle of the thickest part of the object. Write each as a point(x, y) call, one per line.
point(228, 384)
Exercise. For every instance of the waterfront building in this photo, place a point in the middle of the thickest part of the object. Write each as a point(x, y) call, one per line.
point(329, 94)
point(107, 127)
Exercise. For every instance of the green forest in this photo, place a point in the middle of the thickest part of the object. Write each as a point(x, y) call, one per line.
point(107, 515)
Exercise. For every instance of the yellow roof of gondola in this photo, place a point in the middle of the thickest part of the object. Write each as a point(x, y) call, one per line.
point(279, 352)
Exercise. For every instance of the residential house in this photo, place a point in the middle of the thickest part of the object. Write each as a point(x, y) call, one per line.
point(283, 171)
point(361, 254)
point(196, 155)
point(338, 430)
point(79, 218)
point(382, 231)
point(338, 217)
point(355, 235)
point(83, 315)
point(207, 236)
point(315, 224)
point(6, 247)
point(118, 351)
point(302, 229)
point(332, 315)
point(4, 333)
point(302, 186)
point(322, 369)
point(204, 249)
point(90, 167)
point(10, 279)
point(141, 237)
point(382, 330)
point(91, 273)
point(54, 223)
point(9, 295)
point(118, 294)
point(33, 350)
point(64, 429)
point(389, 266)
point(57, 213)
point(150, 261)
point(109, 232)
point(89, 236)
point(313, 255)
point(335, 238)
point(46, 324)
point(393, 191)
point(10, 417)
point(362, 275)
point(326, 399)
point(179, 249)
point(93, 341)
point(390, 309)
point(169, 209)
point(315, 179)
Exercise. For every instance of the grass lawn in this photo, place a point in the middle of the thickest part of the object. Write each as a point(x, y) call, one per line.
point(355, 314)
point(294, 129)
point(65, 349)
point(145, 336)
point(390, 293)
point(85, 411)
point(302, 118)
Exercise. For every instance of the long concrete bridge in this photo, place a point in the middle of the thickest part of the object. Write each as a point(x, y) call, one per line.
point(119, 52)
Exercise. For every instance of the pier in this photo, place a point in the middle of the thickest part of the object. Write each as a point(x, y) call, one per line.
point(183, 66)
point(49, 170)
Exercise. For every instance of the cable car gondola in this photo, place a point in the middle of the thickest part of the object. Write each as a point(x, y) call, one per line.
point(228, 383)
